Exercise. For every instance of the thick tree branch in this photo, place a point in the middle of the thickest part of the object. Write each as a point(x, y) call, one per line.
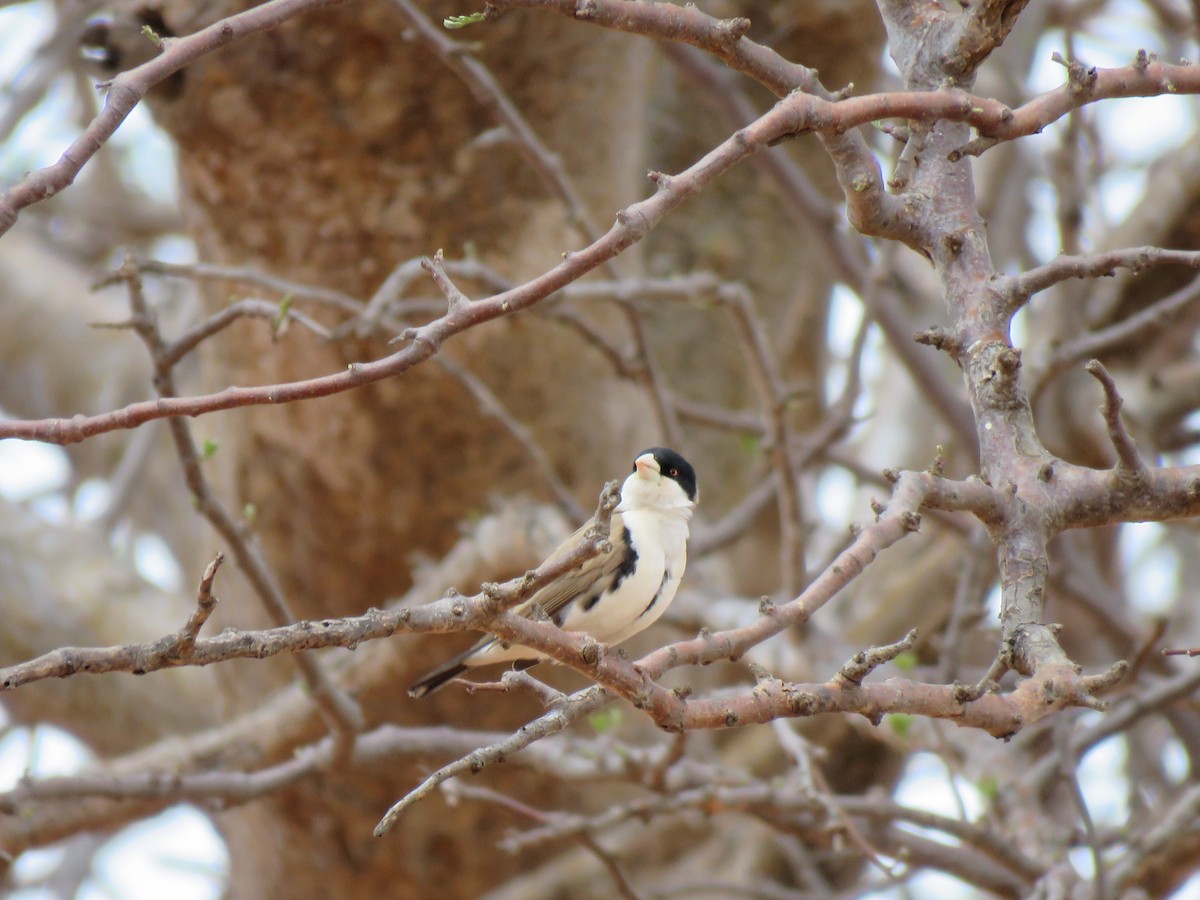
point(452, 613)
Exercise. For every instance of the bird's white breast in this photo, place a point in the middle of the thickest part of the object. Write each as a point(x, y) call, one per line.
point(660, 538)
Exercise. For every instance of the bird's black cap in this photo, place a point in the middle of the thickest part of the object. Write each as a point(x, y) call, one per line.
point(674, 466)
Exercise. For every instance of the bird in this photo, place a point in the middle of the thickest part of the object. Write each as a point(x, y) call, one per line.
point(618, 593)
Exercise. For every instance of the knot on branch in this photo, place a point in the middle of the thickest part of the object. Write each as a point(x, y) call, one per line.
point(1008, 361)
point(730, 30)
point(969, 693)
point(634, 221)
point(661, 180)
point(954, 243)
point(801, 703)
point(592, 651)
point(1080, 78)
point(1031, 648)
point(993, 369)
point(1103, 681)
point(939, 338)
point(865, 662)
point(761, 673)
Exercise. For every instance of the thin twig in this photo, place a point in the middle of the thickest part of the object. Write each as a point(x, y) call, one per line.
point(205, 604)
point(278, 314)
point(867, 661)
point(516, 679)
point(587, 841)
point(487, 90)
point(552, 722)
point(773, 398)
point(341, 711)
point(494, 407)
point(1099, 265)
point(1129, 461)
point(1154, 317)
point(1069, 773)
point(246, 275)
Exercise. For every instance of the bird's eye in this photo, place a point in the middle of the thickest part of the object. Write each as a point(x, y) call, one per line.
point(674, 473)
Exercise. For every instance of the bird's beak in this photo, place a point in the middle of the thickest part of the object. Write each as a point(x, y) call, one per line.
point(647, 467)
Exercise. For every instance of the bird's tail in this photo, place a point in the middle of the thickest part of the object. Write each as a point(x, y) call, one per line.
point(452, 668)
point(436, 679)
point(447, 671)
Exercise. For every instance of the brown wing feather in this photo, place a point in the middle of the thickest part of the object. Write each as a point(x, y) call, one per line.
point(557, 594)
point(552, 598)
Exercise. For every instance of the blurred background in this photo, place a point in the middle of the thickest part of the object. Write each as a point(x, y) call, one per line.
point(312, 162)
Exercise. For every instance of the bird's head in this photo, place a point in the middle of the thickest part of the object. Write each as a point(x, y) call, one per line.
point(661, 479)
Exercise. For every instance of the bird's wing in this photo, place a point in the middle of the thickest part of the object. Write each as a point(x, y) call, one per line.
point(595, 572)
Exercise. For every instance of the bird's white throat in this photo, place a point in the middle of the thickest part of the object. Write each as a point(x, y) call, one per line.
point(661, 495)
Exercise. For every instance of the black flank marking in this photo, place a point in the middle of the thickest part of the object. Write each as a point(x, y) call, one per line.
point(649, 606)
point(588, 602)
point(629, 563)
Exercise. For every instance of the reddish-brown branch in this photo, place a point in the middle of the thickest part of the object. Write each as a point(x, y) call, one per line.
point(798, 113)
point(633, 223)
point(723, 38)
point(1144, 78)
point(972, 37)
point(453, 613)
